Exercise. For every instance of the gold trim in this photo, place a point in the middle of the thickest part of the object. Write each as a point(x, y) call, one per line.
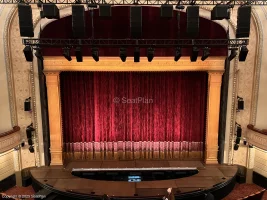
point(54, 65)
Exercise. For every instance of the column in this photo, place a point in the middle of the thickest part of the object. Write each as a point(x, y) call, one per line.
point(213, 111)
point(54, 112)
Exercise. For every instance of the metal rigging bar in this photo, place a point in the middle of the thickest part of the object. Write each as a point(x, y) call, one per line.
point(133, 42)
point(140, 2)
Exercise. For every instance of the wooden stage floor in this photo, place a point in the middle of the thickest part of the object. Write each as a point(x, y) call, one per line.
point(60, 178)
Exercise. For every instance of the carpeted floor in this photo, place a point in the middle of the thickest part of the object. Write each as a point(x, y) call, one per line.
point(240, 190)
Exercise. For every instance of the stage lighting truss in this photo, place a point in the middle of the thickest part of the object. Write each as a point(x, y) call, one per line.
point(145, 43)
point(139, 2)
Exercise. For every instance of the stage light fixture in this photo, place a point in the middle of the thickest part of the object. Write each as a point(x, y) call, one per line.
point(123, 54)
point(150, 54)
point(178, 54)
point(237, 141)
point(38, 54)
point(31, 149)
point(238, 130)
point(194, 54)
point(243, 53)
point(66, 53)
point(136, 54)
point(236, 147)
point(27, 104)
point(232, 55)
point(29, 131)
point(30, 142)
point(95, 54)
point(22, 143)
point(28, 53)
point(240, 103)
point(244, 141)
point(206, 53)
point(78, 54)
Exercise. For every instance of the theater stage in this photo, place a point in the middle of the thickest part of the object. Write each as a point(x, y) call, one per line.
point(218, 179)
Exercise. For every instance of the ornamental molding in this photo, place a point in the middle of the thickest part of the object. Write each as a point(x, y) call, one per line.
point(257, 139)
point(59, 63)
point(10, 141)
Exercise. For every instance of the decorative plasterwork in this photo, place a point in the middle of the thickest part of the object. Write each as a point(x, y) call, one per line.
point(256, 78)
point(257, 139)
point(53, 64)
point(9, 142)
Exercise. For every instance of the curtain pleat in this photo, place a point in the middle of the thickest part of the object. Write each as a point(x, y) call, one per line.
point(133, 115)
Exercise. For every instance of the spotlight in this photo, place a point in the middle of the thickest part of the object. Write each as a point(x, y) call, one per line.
point(66, 53)
point(123, 54)
point(38, 54)
point(237, 141)
point(232, 55)
point(240, 103)
point(178, 54)
point(29, 131)
point(27, 104)
point(244, 141)
point(238, 130)
point(95, 54)
point(31, 149)
point(136, 54)
point(22, 144)
point(194, 54)
point(236, 147)
point(28, 53)
point(206, 53)
point(78, 54)
point(243, 53)
point(150, 54)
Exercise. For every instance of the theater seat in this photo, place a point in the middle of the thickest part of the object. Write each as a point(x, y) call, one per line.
point(255, 196)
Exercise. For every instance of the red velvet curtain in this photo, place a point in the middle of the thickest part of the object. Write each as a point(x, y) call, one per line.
point(133, 107)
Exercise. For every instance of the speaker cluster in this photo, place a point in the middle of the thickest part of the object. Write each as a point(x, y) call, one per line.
point(51, 11)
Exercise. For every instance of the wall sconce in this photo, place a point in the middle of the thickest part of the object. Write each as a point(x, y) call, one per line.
point(240, 103)
point(27, 104)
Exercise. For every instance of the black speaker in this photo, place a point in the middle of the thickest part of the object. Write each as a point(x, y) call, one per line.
point(50, 11)
point(166, 11)
point(243, 54)
point(192, 28)
point(237, 141)
point(136, 22)
point(104, 10)
point(30, 142)
point(220, 12)
point(240, 105)
point(243, 21)
point(25, 20)
point(236, 146)
point(27, 106)
point(28, 55)
point(78, 21)
point(238, 131)
point(136, 54)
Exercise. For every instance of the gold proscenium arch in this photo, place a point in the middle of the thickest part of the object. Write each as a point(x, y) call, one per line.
point(54, 65)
